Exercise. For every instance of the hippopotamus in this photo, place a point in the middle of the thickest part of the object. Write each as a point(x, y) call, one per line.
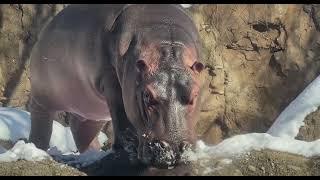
point(138, 66)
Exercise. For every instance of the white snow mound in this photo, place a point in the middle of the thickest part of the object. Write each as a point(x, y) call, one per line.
point(25, 151)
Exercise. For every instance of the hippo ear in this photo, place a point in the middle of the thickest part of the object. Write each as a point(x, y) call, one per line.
point(197, 66)
point(124, 43)
point(141, 65)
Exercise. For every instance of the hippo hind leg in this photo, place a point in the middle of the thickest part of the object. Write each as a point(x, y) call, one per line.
point(85, 132)
point(41, 124)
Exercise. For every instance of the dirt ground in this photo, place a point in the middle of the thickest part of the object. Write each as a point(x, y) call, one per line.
point(43, 168)
point(255, 163)
point(271, 163)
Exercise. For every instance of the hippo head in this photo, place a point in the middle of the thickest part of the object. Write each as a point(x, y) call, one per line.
point(165, 99)
point(159, 73)
point(168, 102)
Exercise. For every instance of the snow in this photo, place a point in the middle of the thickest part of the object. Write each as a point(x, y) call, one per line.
point(26, 151)
point(291, 119)
point(240, 144)
point(15, 124)
point(62, 138)
point(29, 152)
point(186, 5)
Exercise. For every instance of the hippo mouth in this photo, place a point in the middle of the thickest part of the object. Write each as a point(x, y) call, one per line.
point(161, 154)
point(158, 154)
point(154, 152)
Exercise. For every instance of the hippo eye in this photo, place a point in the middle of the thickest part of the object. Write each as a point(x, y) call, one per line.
point(197, 67)
point(148, 99)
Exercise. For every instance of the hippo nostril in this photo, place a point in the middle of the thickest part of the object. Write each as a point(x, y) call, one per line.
point(160, 154)
point(164, 144)
point(185, 146)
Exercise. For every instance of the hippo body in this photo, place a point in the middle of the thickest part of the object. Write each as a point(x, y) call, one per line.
point(67, 60)
point(103, 62)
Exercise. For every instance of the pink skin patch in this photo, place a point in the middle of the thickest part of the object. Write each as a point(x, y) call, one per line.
point(151, 56)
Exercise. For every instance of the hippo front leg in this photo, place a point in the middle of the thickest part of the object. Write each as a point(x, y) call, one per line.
point(121, 124)
point(124, 135)
point(41, 125)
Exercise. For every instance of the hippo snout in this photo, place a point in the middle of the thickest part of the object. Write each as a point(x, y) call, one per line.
point(161, 154)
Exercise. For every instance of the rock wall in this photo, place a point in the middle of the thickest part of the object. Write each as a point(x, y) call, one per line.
point(259, 58)
point(20, 25)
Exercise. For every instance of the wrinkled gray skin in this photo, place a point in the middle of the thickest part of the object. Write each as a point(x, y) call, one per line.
point(126, 62)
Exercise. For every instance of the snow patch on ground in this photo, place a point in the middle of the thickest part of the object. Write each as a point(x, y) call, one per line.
point(291, 119)
point(29, 152)
point(240, 144)
point(15, 124)
point(186, 5)
point(25, 151)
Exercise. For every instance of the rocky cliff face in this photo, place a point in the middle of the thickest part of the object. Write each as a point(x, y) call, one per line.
point(258, 59)
point(20, 25)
